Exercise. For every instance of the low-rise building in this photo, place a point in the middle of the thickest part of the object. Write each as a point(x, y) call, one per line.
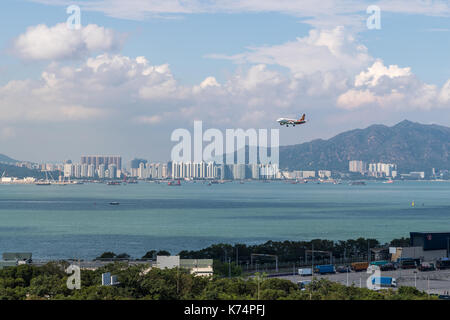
point(200, 267)
point(12, 259)
point(427, 246)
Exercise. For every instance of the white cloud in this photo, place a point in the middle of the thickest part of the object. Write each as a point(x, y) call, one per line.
point(444, 95)
point(149, 119)
point(59, 42)
point(133, 90)
point(320, 51)
point(323, 13)
point(378, 70)
point(353, 99)
point(392, 87)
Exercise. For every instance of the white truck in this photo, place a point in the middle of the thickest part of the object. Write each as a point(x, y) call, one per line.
point(305, 272)
point(384, 282)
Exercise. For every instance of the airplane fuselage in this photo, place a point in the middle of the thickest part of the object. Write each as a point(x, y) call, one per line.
point(287, 122)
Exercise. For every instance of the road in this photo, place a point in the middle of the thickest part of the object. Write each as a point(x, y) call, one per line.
point(437, 282)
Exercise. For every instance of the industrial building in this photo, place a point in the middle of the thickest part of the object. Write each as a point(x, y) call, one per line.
point(12, 259)
point(200, 267)
point(427, 246)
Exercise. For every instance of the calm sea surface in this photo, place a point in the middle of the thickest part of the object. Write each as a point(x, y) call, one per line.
point(78, 221)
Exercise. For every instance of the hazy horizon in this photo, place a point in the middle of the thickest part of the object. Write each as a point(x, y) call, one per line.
point(134, 72)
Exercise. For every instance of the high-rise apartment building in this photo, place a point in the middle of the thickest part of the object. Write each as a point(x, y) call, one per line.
point(357, 166)
point(106, 160)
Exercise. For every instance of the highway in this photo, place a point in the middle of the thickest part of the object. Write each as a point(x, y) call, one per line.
point(437, 282)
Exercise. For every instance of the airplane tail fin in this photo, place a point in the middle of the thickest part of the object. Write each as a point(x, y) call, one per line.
point(303, 117)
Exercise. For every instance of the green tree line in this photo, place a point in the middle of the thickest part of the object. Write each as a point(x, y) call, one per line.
point(28, 282)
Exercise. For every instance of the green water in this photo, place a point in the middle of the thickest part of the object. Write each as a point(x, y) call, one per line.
point(78, 221)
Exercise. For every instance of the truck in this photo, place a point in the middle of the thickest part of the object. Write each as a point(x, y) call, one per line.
point(426, 266)
point(384, 282)
point(407, 263)
point(443, 263)
point(387, 267)
point(343, 269)
point(305, 272)
point(324, 269)
point(360, 266)
point(379, 263)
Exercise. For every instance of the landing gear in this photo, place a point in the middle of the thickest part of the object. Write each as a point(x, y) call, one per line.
point(287, 125)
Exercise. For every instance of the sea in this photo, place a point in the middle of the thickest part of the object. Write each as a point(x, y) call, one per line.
point(78, 221)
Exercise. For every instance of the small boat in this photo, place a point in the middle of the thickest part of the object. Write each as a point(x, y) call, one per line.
point(114, 183)
point(389, 181)
point(114, 203)
point(172, 183)
point(358, 183)
point(43, 183)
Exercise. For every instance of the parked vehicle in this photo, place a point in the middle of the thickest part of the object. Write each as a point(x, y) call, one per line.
point(379, 263)
point(324, 269)
point(302, 284)
point(407, 263)
point(360, 266)
point(343, 269)
point(443, 263)
point(384, 282)
point(387, 267)
point(305, 272)
point(425, 266)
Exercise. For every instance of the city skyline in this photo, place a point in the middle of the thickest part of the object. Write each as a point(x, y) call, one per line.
point(121, 82)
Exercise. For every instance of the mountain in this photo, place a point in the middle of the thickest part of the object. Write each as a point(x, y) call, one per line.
point(412, 146)
point(6, 159)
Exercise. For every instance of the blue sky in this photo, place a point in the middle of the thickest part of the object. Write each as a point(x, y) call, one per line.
point(229, 63)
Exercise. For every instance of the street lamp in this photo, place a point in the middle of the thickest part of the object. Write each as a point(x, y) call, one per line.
point(347, 276)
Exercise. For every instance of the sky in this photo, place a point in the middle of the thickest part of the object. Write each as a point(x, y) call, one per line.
point(137, 70)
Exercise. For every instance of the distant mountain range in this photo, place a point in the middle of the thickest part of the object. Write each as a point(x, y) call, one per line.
point(412, 146)
point(7, 159)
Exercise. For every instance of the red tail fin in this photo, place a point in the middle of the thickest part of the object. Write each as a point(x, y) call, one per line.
point(303, 117)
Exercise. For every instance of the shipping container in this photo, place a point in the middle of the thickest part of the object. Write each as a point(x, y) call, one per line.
point(324, 269)
point(360, 266)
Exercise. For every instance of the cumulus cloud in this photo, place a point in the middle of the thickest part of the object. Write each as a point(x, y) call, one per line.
point(391, 87)
point(379, 70)
point(59, 42)
point(132, 89)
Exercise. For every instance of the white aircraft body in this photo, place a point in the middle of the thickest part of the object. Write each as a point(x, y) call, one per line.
point(286, 122)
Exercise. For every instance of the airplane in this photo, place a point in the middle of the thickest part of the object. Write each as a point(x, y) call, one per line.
point(287, 122)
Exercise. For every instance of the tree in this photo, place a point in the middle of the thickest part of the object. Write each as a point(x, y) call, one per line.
point(149, 255)
point(226, 269)
point(106, 255)
point(123, 256)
